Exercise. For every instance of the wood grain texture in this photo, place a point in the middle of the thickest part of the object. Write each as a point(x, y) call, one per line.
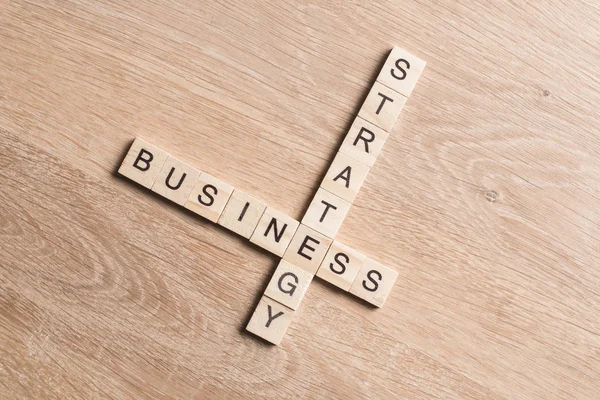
point(484, 198)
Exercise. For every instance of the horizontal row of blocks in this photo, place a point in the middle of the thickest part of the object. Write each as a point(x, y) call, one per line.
point(338, 190)
point(305, 251)
point(307, 248)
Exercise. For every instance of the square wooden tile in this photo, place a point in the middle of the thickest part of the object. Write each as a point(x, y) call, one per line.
point(288, 284)
point(242, 213)
point(307, 249)
point(374, 282)
point(401, 71)
point(345, 177)
point(209, 197)
point(274, 231)
point(143, 163)
point(382, 106)
point(270, 320)
point(326, 213)
point(341, 265)
point(364, 141)
point(176, 180)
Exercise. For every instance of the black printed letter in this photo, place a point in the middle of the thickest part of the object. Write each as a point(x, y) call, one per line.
point(146, 161)
point(291, 287)
point(372, 272)
point(272, 317)
point(364, 139)
point(401, 60)
point(178, 183)
point(211, 199)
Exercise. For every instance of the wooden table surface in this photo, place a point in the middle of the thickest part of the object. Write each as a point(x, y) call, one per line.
point(486, 198)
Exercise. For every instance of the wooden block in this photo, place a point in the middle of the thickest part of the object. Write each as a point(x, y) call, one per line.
point(288, 284)
point(326, 213)
point(143, 163)
point(274, 231)
point(364, 141)
point(307, 249)
point(374, 282)
point(341, 265)
point(270, 320)
point(175, 180)
point(382, 106)
point(209, 197)
point(242, 213)
point(401, 71)
point(345, 177)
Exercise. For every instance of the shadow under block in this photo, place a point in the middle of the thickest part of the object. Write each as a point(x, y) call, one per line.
point(176, 180)
point(401, 71)
point(345, 177)
point(288, 284)
point(341, 265)
point(374, 282)
point(143, 163)
point(208, 197)
point(242, 213)
point(307, 249)
point(274, 231)
point(270, 320)
point(364, 141)
point(326, 213)
point(382, 106)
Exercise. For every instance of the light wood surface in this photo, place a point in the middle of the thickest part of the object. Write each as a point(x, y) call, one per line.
point(485, 199)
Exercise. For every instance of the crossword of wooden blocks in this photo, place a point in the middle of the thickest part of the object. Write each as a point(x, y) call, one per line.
point(345, 177)
point(274, 231)
point(208, 197)
point(288, 284)
point(270, 320)
point(341, 265)
point(364, 141)
point(242, 213)
point(374, 282)
point(382, 106)
point(143, 163)
point(326, 213)
point(175, 180)
point(401, 71)
point(307, 248)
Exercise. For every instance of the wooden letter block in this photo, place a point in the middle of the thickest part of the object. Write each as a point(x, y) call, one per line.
point(345, 177)
point(242, 213)
point(209, 197)
point(341, 265)
point(143, 163)
point(274, 231)
point(382, 106)
point(307, 249)
point(374, 282)
point(326, 213)
point(401, 71)
point(175, 180)
point(270, 320)
point(288, 284)
point(364, 141)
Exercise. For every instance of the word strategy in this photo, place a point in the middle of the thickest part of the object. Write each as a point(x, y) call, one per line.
point(308, 247)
